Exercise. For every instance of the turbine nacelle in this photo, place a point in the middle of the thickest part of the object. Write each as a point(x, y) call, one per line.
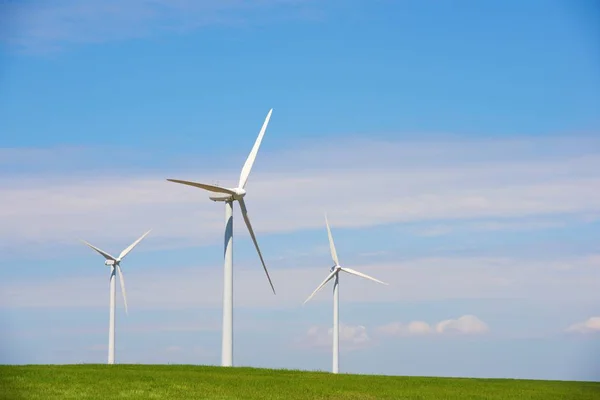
point(110, 262)
point(239, 193)
point(221, 197)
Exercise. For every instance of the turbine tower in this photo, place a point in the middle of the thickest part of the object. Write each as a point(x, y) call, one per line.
point(229, 195)
point(334, 273)
point(115, 266)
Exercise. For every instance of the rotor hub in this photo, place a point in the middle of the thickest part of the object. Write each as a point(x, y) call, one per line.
point(239, 193)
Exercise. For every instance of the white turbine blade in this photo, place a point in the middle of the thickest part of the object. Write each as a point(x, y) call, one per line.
point(132, 245)
point(353, 272)
point(102, 252)
point(252, 156)
point(331, 275)
point(247, 220)
point(331, 245)
point(210, 188)
point(122, 280)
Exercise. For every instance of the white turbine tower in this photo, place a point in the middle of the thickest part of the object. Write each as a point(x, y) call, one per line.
point(115, 265)
point(334, 273)
point(229, 195)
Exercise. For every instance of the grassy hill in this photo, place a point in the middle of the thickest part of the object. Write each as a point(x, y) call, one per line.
point(195, 382)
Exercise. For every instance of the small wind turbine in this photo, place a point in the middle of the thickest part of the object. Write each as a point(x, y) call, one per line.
point(334, 273)
point(229, 195)
point(115, 266)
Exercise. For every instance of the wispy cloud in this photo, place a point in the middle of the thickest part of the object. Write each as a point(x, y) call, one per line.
point(509, 191)
point(49, 25)
point(428, 279)
point(520, 224)
point(591, 325)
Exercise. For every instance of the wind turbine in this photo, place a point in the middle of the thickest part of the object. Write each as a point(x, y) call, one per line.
point(229, 195)
point(334, 273)
point(115, 266)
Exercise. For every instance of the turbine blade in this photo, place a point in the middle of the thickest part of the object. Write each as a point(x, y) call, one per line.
point(331, 275)
point(210, 188)
point(353, 272)
point(122, 280)
point(132, 245)
point(247, 220)
point(252, 156)
point(331, 244)
point(102, 252)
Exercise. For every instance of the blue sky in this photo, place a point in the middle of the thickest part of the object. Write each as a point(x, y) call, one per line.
point(454, 147)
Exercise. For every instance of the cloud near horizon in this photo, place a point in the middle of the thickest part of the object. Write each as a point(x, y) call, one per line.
point(464, 325)
point(354, 337)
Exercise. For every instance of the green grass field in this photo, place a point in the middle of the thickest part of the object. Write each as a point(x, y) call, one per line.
point(193, 382)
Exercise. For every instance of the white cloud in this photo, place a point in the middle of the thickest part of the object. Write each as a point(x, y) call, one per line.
point(415, 328)
point(467, 325)
point(592, 325)
point(351, 337)
point(475, 183)
point(354, 337)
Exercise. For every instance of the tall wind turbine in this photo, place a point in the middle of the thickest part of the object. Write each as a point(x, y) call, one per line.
point(115, 266)
point(229, 195)
point(334, 273)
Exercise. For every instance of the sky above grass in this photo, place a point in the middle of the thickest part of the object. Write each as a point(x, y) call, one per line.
point(455, 148)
